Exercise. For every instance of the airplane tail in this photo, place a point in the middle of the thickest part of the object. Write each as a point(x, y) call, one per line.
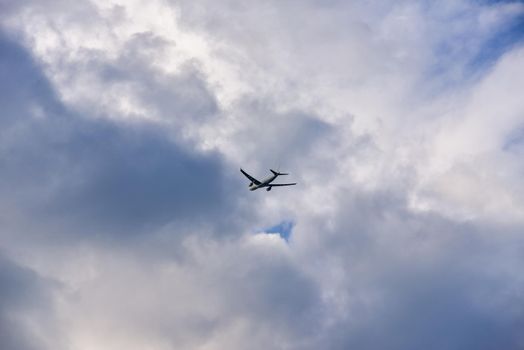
point(277, 173)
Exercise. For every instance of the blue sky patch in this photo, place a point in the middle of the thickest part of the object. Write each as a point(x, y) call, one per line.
point(462, 56)
point(514, 141)
point(284, 229)
point(500, 42)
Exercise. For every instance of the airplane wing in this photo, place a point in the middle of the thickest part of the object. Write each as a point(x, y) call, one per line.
point(253, 180)
point(294, 183)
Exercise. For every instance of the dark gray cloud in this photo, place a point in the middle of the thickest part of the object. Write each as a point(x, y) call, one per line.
point(97, 176)
point(442, 306)
point(26, 307)
point(278, 296)
point(412, 281)
point(279, 139)
point(25, 90)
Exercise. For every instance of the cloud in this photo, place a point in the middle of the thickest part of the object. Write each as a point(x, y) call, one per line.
point(123, 129)
point(96, 176)
point(394, 278)
point(26, 308)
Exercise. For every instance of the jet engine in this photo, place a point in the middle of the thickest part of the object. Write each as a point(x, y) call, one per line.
point(269, 189)
point(251, 184)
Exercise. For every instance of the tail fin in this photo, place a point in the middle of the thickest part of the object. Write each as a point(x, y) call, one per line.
point(277, 173)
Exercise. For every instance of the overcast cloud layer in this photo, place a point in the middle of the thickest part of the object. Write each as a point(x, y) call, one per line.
point(125, 223)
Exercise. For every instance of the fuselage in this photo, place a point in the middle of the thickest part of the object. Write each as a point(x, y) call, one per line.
point(263, 183)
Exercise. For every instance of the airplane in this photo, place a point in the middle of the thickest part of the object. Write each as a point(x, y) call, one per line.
point(267, 182)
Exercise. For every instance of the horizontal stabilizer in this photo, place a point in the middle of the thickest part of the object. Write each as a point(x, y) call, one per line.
point(277, 173)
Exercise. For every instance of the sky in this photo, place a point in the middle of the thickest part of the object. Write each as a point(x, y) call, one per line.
point(126, 224)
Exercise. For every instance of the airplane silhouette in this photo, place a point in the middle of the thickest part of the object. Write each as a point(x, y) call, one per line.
point(267, 182)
